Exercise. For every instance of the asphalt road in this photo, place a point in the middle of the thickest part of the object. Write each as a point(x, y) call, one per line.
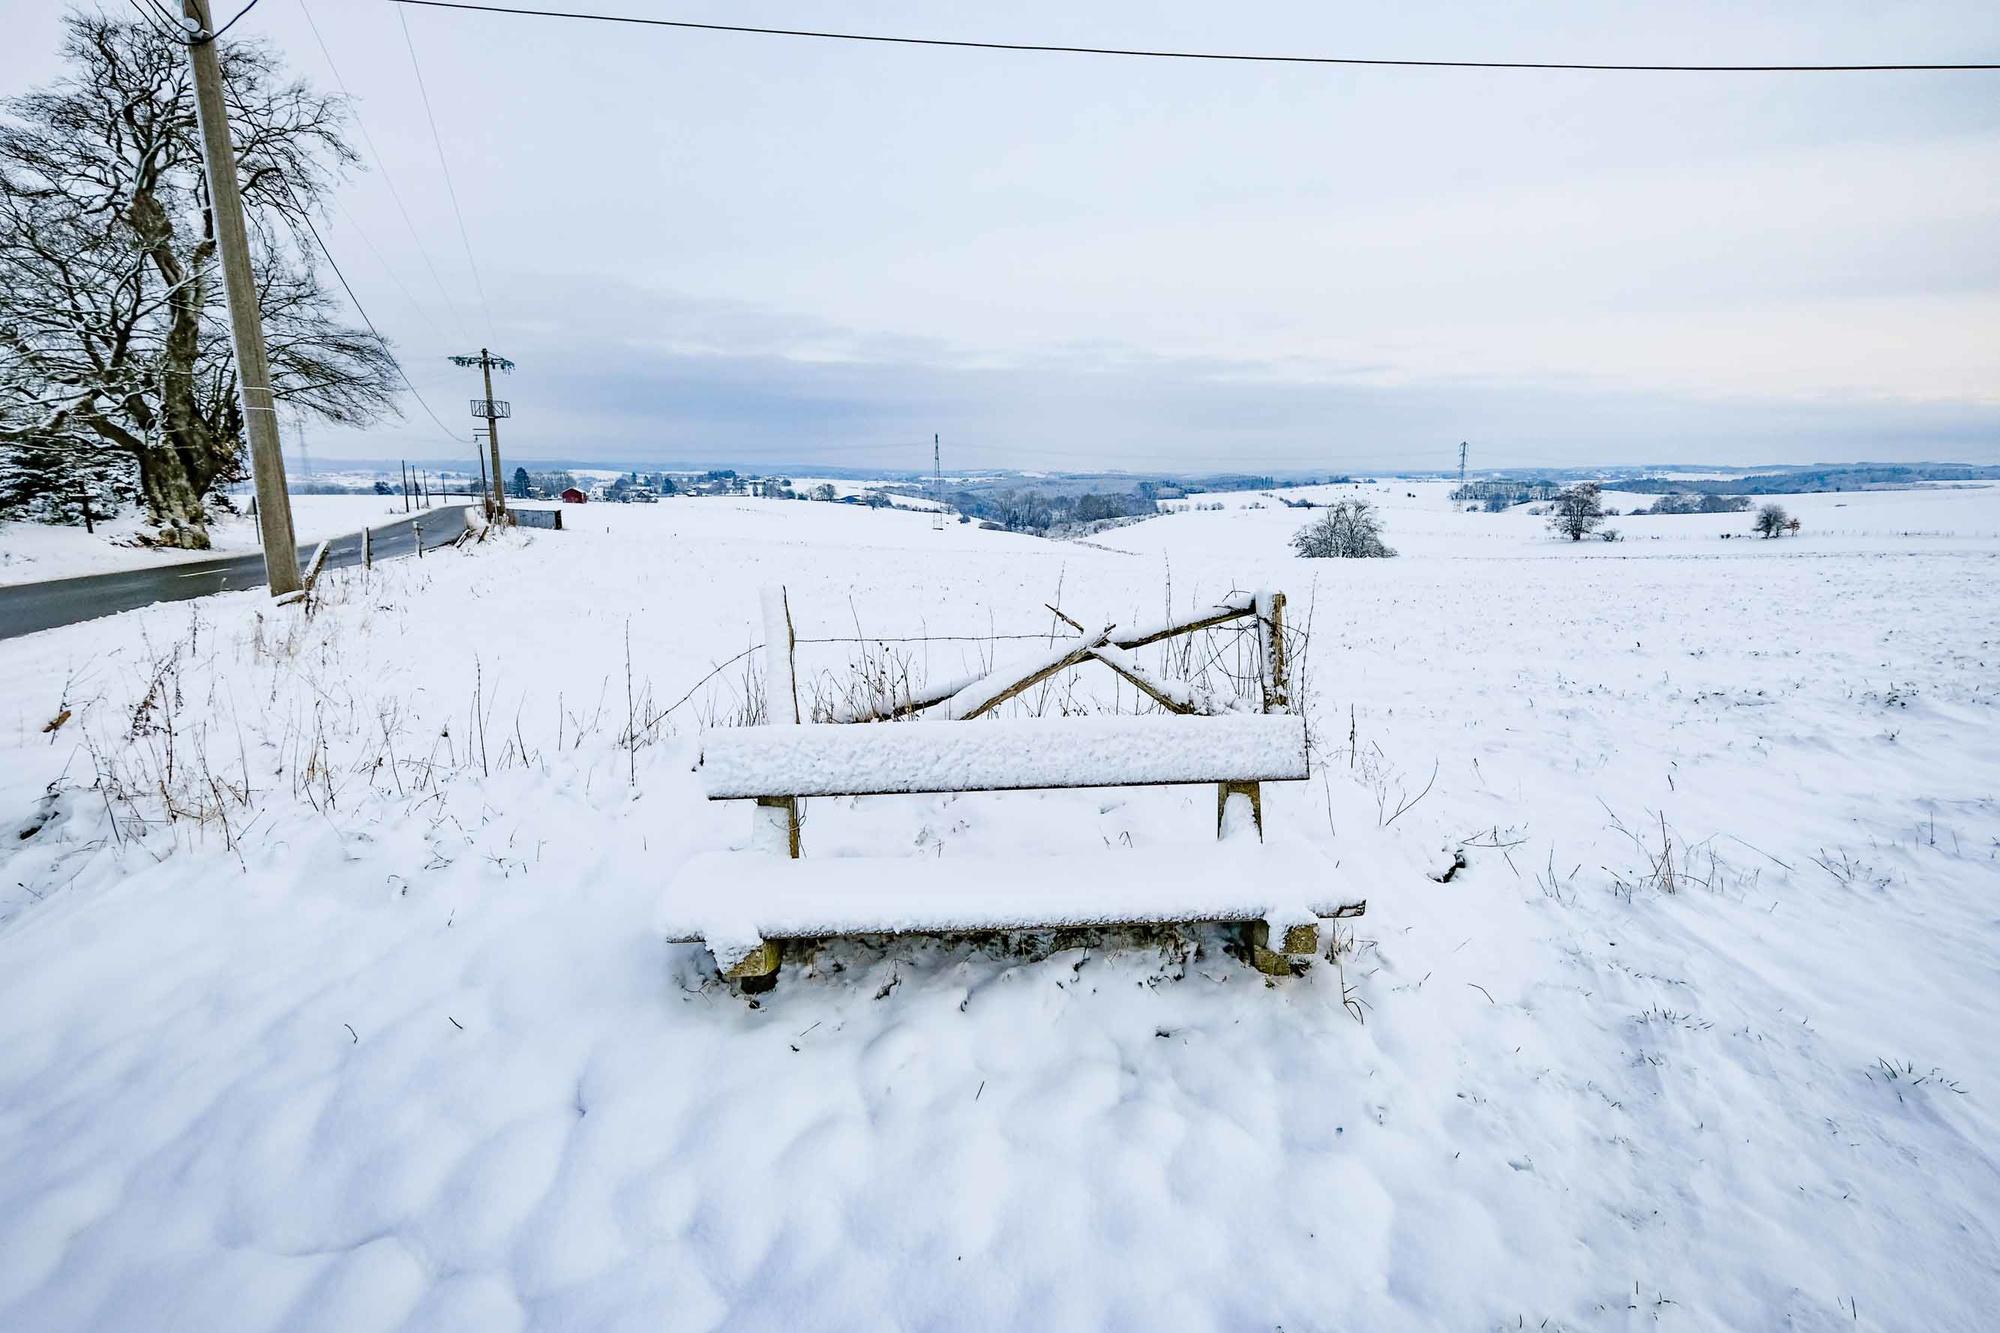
point(26, 608)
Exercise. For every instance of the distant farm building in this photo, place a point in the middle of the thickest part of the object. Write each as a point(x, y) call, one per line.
point(572, 496)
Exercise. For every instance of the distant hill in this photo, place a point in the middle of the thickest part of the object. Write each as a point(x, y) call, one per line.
point(1801, 481)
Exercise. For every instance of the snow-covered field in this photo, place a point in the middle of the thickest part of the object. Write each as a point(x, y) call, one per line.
point(30, 552)
point(371, 1029)
point(1422, 520)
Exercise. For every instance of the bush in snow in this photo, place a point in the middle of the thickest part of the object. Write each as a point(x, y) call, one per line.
point(1577, 510)
point(1772, 520)
point(1350, 529)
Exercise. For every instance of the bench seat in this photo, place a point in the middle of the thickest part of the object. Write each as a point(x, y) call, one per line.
point(737, 904)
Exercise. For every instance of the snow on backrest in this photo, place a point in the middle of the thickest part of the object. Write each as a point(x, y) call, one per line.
point(881, 758)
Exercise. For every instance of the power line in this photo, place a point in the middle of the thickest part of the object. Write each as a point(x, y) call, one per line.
point(1195, 55)
point(443, 166)
point(155, 23)
point(362, 311)
point(382, 165)
point(238, 19)
point(383, 260)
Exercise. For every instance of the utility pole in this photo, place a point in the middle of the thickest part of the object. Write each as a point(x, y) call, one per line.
point(246, 324)
point(1461, 472)
point(492, 409)
point(479, 454)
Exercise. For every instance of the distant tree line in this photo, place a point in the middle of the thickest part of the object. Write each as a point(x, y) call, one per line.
point(1231, 481)
point(1863, 476)
point(1500, 494)
point(1705, 502)
point(1036, 511)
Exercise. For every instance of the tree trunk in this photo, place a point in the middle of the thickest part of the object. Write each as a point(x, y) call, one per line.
point(191, 453)
point(173, 499)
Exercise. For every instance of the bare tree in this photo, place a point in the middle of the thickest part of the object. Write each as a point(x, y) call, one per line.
point(1772, 520)
point(1577, 510)
point(113, 335)
point(1349, 529)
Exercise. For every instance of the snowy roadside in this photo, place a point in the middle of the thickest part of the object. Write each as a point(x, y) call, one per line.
point(31, 552)
point(388, 1042)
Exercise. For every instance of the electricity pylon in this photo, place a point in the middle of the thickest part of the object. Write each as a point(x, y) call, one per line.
point(937, 486)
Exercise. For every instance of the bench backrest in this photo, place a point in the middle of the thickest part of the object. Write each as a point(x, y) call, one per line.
point(887, 758)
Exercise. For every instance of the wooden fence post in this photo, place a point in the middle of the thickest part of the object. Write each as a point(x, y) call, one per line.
point(775, 830)
point(1277, 672)
point(781, 683)
point(781, 708)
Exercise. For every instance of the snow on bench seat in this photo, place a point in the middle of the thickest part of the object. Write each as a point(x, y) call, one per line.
point(734, 902)
point(883, 758)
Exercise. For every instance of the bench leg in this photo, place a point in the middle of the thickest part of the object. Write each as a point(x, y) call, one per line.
point(1239, 809)
point(757, 972)
point(1300, 943)
point(774, 830)
point(777, 828)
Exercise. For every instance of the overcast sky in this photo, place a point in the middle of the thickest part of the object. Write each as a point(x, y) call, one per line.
point(714, 247)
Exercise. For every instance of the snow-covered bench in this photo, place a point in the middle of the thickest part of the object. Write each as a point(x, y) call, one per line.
point(743, 904)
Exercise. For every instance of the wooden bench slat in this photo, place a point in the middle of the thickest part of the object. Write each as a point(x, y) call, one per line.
point(888, 758)
point(733, 901)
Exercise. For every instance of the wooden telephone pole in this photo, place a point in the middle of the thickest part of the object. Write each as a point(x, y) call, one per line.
point(492, 409)
point(246, 323)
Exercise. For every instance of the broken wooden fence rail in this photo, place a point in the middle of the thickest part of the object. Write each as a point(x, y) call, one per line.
point(311, 577)
point(972, 696)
